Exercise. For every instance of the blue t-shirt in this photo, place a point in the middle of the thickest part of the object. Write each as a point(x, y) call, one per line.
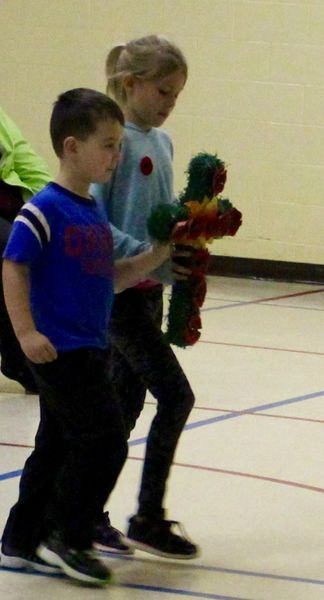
point(67, 243)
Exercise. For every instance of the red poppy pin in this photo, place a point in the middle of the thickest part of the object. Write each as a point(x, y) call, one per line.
point(146, 165)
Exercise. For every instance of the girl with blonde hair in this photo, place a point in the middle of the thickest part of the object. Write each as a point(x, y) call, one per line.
point(146, 76)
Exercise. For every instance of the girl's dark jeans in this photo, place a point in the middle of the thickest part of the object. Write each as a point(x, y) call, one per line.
point(142, 360)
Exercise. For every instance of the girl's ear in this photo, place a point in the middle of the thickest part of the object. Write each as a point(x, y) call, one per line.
point(129, 82)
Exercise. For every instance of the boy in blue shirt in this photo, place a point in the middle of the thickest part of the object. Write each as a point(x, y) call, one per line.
point(59, 280)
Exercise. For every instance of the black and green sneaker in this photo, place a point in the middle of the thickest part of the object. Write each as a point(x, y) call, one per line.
point(82, 565)
point(13, 558)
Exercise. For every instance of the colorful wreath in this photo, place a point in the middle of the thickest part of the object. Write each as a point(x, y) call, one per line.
point(200, 216)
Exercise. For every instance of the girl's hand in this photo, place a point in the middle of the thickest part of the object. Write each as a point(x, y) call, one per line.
point(181, 263)
point(37, 347)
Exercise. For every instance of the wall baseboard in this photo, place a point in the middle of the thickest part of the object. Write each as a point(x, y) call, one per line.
point(231, 266)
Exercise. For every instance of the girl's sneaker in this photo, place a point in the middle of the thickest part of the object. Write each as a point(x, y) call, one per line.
point(109, 539)
point(82, 565)
point(157, 537)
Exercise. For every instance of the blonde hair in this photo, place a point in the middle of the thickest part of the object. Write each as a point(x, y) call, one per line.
point(150, 57)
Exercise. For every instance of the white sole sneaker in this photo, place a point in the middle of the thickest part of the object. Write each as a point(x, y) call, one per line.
point(151, 550)
point(21, 563)
point(113, 550)
point(52, 558)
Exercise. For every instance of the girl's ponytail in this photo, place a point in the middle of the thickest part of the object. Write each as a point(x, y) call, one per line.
point(113, 74)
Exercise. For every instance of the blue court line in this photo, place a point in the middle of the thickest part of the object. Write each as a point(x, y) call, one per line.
point(31, 572)
point(197, 567)
point(177, 592)
point(196, 424)
point(213, 569)
point(10, 475)
point(234, 415)
point(258, 408)
point(289, 578)
point(144, 588)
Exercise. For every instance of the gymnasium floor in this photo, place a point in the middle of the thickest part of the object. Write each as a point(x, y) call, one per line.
point(248, 478)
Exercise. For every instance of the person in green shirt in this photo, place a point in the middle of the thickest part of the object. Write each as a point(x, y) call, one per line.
point(23, 173)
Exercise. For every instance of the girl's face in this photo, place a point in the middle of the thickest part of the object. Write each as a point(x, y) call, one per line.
point(149, 103)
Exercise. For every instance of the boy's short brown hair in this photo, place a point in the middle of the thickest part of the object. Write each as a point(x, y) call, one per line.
point(77, 112)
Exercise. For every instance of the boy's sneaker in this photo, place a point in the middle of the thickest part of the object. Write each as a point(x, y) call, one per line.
point(82, 565)
point(16, 559)
point(156, 537)
point(110, 539)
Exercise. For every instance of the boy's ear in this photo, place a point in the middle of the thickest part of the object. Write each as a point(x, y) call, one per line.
point(70, 145)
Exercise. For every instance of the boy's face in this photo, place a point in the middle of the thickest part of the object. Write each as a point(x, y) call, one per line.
point(99, 154)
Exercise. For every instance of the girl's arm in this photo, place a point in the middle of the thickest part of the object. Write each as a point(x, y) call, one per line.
point(34, 344)
point(129, 271)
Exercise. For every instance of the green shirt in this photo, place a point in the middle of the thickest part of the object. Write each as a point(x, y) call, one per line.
point(19, 164)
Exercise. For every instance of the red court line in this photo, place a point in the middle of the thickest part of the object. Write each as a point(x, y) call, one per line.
point(283, 297)
point(261, 347)
point(259, 301)
point(210, 409)
point(296, 484)
point(275, 480)
point(304, 293)
point(251, 412)
point(16, 445)
point(257, 414)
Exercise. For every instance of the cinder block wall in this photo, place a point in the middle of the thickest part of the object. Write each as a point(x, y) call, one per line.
point(255, 96)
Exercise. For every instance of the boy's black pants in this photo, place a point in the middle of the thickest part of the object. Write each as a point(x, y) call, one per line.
point(80, 448)
point(142, 360)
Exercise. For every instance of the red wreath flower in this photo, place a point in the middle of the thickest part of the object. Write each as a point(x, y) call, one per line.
point(199, 291)
point(219, 181)
point(197, 226)
point(200, 262)
point(191, 330)
point(146, 165)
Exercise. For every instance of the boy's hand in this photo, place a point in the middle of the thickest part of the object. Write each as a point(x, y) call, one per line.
point(37, 347)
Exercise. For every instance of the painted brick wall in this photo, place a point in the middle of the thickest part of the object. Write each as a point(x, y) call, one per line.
point(255, 96)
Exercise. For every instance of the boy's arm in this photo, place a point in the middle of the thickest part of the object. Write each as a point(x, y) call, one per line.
point(129, 271)
point(34, 344)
